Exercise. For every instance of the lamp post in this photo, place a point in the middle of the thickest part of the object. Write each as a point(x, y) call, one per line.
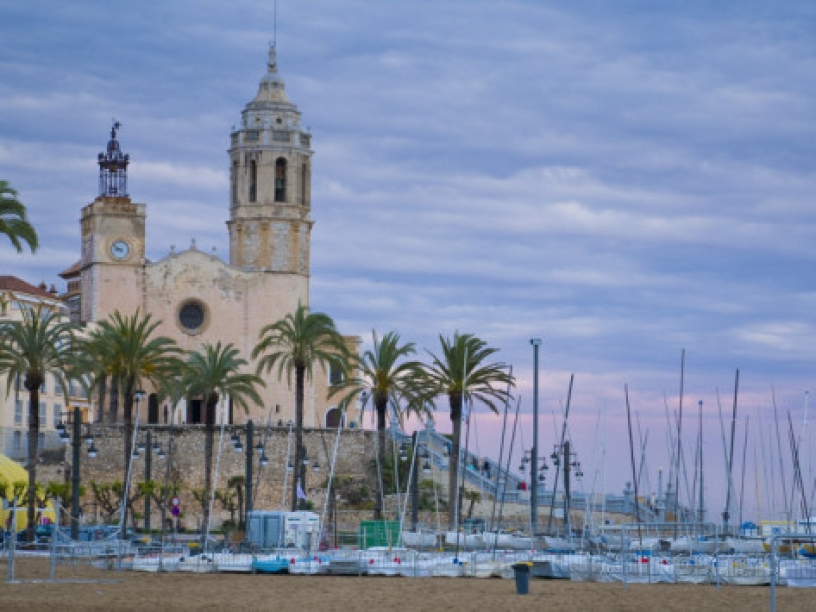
point(536, 342)
point(75, 420)
point(538, 469)
point(75, 476)
point(563, 455)
point(250, 435)
point(148, 447)
point(421, 452)
point(569, 463)
point(263, 460)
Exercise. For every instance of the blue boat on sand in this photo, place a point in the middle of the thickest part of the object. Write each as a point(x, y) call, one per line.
point(270, 565)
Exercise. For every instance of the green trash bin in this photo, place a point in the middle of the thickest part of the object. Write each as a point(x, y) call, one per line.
point(522, 574)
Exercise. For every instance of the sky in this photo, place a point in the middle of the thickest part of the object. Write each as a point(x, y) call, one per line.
point(629, 181)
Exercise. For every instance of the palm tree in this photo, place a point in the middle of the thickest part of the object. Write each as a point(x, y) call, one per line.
point(215, 373)
point(461, 373)
point(296, 344)
point(14, 220)
point(388, 381)
point(126, 349)
point(37, 345)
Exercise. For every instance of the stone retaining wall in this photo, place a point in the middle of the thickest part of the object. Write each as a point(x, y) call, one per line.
point(186, 464)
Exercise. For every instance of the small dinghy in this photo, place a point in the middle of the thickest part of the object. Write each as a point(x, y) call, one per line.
point(270, 565)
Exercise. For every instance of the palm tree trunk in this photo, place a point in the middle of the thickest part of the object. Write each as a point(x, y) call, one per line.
point(455, 400)
point(299, 471)
point(32, 384)
point(381, 407)
point(113, 406)
point(209, 444)
point(102, 392)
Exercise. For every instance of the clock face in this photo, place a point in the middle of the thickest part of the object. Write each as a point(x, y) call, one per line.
point(120, 249)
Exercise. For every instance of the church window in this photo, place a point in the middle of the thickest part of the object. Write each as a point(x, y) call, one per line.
point(191, 316)
point(235, 182)
point(153, 409)
point(280, 180)
point(335, 375)
point(253, 180)
point(304, 182)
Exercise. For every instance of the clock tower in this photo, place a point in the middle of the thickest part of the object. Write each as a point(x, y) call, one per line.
point(113, 240)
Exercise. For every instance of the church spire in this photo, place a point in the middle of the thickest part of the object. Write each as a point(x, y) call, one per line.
point(270, 182)
point(113, 168)
point(272, 87)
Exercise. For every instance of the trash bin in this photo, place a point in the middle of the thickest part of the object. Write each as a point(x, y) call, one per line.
point(522, 574)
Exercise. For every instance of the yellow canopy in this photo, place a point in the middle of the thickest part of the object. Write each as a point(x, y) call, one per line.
point(12, 472)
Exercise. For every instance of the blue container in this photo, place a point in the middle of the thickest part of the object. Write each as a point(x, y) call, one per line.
point(522, 574)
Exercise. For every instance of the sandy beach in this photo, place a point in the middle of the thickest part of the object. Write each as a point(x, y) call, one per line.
point(111, 590)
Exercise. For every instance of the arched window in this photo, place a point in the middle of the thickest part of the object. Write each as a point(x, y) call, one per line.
point(335, 374)
point(253, 180)
point(153, 409)
point(280, 180)
point(234, 178)
point(304, 184)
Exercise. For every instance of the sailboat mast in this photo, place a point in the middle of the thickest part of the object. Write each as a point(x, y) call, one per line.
point(701, 511)
point(742, 482)
point(679, 434)
point(781, 460)
point(726, 513)
point(634, 469)
point(560, 446)
point(492, 526)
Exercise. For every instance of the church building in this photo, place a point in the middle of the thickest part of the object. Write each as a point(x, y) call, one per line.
point(198, 297)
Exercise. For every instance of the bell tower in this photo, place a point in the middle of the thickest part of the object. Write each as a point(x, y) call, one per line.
point(113, 240)
point(270, 183)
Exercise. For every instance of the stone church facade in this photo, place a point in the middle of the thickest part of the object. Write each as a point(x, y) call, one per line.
point(198, 297)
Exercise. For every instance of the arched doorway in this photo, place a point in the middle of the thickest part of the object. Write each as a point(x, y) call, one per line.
point(333, 416)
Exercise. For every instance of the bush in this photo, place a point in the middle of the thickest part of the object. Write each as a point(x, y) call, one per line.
point(356, 493)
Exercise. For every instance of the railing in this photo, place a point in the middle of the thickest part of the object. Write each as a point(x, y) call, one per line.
point(498, 482)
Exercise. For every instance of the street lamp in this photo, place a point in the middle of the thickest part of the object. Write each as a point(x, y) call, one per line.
point(148, 447)
point(303, 470)
point(536, 342)
point(263, 460)
point(75, 420)
point(536, 473)
point(421, 452)
point(563, 456)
